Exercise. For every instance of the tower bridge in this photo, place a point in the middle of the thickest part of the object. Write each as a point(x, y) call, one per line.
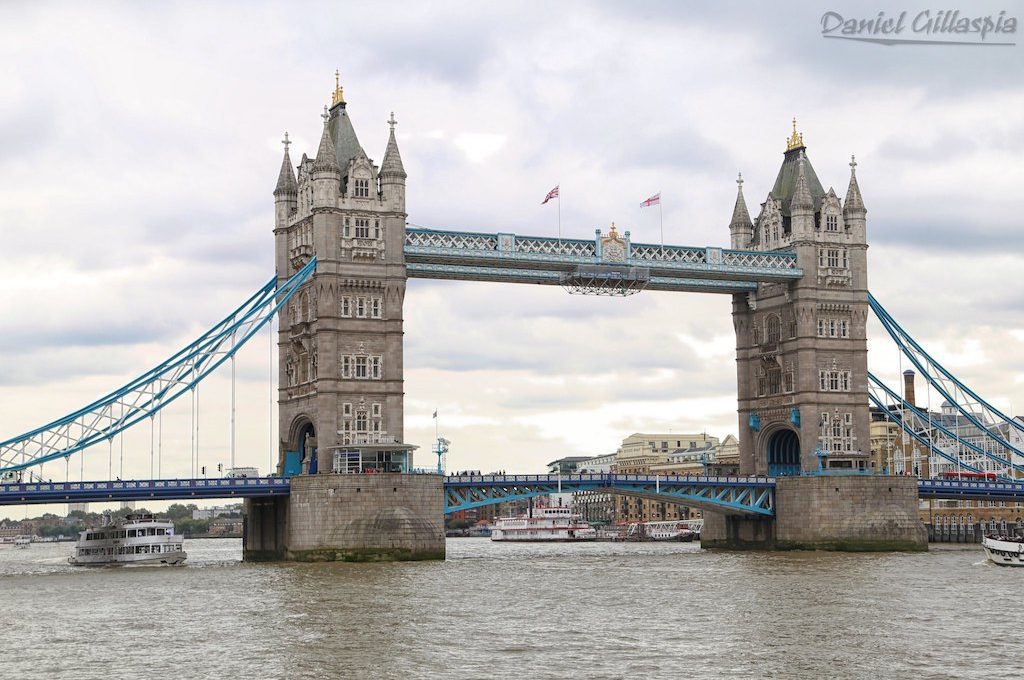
point(797, 274)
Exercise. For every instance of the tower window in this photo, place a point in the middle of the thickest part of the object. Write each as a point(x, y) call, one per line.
point(375, 368)
point(361, 308)
point(362, 228)
point(346, 367)
point(362, 188)
point(375, 410)
point(773, 330)
point(346, 306)
point(360, 368)
point(831, 222)
point(375, 307)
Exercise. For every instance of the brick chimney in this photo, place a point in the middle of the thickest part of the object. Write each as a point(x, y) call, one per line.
point(908, 387)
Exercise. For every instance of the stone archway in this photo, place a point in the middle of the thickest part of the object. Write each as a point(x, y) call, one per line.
point(303, 441)
point(782, 451)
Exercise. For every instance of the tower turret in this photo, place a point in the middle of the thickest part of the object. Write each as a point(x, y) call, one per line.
point(392, 172)
point(741, 229)
point(801, 207)
point(326, 173)
point(854, 211)
point(286, 193)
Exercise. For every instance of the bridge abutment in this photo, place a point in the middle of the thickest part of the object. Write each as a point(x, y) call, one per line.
point(350, 518)
point(847, 513)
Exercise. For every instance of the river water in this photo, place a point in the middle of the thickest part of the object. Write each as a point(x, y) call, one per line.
point(493, 610)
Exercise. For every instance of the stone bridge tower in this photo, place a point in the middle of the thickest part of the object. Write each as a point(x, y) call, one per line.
point(340, 339)
point(801, 350)
point(340, 381)
point(801, 362)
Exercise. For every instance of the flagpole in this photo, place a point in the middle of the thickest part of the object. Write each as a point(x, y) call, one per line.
point(559, 215)
point(661, 219)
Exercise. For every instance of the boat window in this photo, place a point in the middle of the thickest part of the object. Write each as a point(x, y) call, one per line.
point(160, 532)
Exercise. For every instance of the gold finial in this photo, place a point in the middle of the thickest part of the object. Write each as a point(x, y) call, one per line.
point(612, 232)
point(796, 140)
point(338, 97)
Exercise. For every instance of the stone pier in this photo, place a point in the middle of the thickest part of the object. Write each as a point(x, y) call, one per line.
point(852, 513)
point(350, 518)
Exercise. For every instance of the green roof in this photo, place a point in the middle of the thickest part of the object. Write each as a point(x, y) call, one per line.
point(346, 144)
point(785, 183)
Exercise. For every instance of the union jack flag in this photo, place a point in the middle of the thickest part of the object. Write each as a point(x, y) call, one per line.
point(653, 200)
point(551, 194)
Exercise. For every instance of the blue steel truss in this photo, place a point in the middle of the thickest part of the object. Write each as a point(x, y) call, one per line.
point(141, 490)
point(992, 422)
point(962, 489)
point(729, 495)
point(752, 496)
point(925, 430)
point(151, 391)
point(438, 254)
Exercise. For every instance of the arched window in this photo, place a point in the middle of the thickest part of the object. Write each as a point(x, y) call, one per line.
point(773, 329)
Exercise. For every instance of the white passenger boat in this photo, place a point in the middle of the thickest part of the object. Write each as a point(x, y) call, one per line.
point(135, 540)
point(22, 541)
point(543, 524)
point(1004, 551)
point(671, 530)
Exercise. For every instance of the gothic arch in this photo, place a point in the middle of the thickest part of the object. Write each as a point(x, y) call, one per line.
point(779, 448)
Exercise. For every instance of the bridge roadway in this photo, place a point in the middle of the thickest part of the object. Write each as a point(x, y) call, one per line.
point(750, 496)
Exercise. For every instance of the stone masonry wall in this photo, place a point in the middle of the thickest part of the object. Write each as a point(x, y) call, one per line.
point(377, 517)
point(848, 513)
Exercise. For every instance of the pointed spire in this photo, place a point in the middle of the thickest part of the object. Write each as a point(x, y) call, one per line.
point(286, 184)
point(801, 192)
point(338, 96)
point(326, 158)
point(854, 203)
point(740, 215)
point(392, 163)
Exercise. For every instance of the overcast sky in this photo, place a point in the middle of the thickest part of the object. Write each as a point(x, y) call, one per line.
point(142, 144)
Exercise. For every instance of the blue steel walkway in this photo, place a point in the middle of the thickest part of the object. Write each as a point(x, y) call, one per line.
point(141, 490)
point(751, 496)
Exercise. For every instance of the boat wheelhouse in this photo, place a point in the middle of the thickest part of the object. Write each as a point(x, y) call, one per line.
point(139, 539)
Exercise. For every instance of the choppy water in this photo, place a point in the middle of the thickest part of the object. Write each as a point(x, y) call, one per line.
point(597, 610)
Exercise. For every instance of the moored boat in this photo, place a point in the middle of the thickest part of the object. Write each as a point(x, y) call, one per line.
point(670, 530)
point(1004, 551)
point(22, 541)
point(543, 524)
point(140, 539)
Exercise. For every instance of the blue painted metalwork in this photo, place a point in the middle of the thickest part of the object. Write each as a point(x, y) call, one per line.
point(434, 253)
point(752, 496)
point(146, 395)
point(783, 453)
point(897, 416)
point(292, 463)
point(971, 406)
point(962, 489)
point(754, 422)
point(142, 490)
